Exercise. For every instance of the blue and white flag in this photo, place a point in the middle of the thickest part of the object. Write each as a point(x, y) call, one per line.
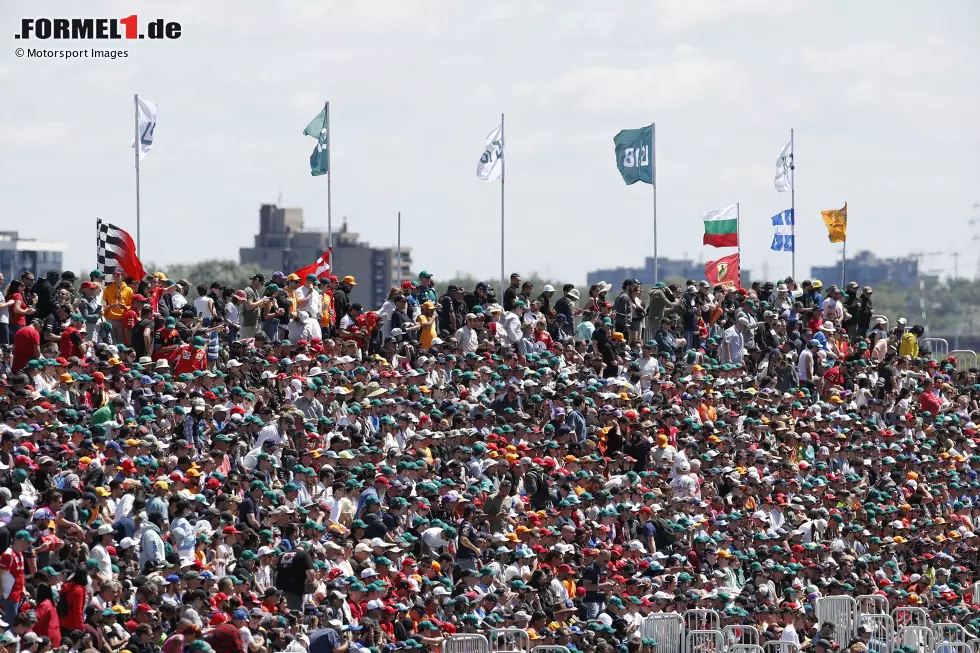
point(147, 112)
point(783, 239)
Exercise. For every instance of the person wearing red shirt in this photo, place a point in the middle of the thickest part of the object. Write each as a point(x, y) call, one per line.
point(928, 399)
point(75, 593)
point(72, 342)
point(541, 335)
point(131, 318)
point(192, 357)
point(27, 345)
point(47, 624)
point(12, 574)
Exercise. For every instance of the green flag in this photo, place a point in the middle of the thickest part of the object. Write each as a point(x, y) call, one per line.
point(634, 155)
point(319, 128)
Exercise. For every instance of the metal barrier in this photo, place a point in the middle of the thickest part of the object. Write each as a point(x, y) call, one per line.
point(906, 616)
point(702, 620)
point(965, 359)
point(950, 632)
point(468, 643)
point(882, 639)
point(509, 640)
point(704, 641)
point(840, 611)
point(745, 648)
point(919, 638)
point(976, 593)
point(665, 628)
point(780, 647)
point(739, 635)
point(974, 644)
point(952, 647)
point(554, 648)
point(872, 604)
point(938, 347)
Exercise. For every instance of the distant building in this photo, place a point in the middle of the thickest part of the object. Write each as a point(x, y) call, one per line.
point(668, 268)
point(283, 244)
point(868, 270)
point(18, 255)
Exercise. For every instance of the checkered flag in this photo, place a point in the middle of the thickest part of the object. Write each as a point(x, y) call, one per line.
point(115, 250)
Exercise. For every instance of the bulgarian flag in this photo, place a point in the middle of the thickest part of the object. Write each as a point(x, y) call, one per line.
point(721, 227)
point(724, 271)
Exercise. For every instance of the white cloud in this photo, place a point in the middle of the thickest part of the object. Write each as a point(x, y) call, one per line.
point(607, 90)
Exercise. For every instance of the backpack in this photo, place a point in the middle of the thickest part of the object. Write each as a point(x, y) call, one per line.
point(63, 604)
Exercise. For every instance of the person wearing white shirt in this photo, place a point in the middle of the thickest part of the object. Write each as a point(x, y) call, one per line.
point(511, 321)
point(100, 553)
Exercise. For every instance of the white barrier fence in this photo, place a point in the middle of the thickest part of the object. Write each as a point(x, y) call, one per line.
point(840, 611)
point(509, 640)
point(469, 643)
point(687, 632)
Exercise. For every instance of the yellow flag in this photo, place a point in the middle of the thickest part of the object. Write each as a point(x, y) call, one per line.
point(836, 221)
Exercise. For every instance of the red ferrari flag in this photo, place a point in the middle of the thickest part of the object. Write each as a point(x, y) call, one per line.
point(724, 271)
point(321, 268)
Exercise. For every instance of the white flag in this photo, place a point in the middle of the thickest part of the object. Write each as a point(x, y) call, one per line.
point(147, 124)
point(784, 167)
point(491, 165)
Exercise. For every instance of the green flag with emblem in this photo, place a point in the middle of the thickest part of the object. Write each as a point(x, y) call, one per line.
point(319, 128)
point(634, 155)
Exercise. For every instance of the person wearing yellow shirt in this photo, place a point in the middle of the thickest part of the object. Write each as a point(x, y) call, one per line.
point(428, 323)
point(909, 346)
point(117, 299)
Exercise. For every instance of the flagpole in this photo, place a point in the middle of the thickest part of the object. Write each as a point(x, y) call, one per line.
point(738, 239)
point(503, 176)
point(653, 182)
point(136, 154)
point(843, 255)
point(326, 110)
point(792, 194)
point(399, 248)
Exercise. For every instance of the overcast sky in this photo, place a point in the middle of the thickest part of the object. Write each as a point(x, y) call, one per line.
point(884, 97)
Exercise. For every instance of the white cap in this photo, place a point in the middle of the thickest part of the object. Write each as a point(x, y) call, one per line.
point(265, 550)
point(548, 288)
point(127, 543)
point(375, 605)
point(368, 573)
point(105, 529)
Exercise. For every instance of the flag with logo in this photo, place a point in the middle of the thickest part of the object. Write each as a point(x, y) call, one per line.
point(491, 165)
point(320, 268)
point(783, 239)
point(319, 128)
point(147, 124)
point(784, 168)
point(836, 221)
point(724, 271)
point(635, 155)
point(115, 249)
point(721, 227)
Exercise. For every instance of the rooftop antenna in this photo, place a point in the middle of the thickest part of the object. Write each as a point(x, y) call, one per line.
point(279, 199)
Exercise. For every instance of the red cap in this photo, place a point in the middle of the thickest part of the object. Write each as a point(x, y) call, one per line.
point(144, 607)
point(139, 298)
point(230, 530)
